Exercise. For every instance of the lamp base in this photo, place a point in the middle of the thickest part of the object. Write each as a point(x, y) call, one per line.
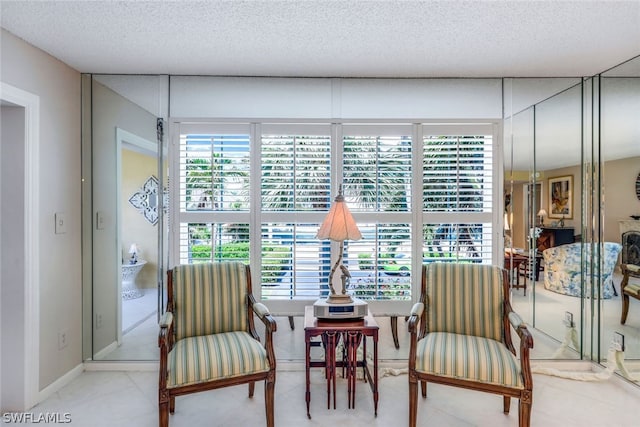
point(356, 309)
point(339, 299)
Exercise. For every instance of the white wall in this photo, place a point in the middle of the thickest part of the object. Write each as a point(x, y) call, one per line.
point(58, 87)
point(316, 98)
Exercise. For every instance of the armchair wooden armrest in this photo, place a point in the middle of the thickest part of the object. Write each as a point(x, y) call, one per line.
point(526, 343)
point(414, 333)
point(628, 289)
point(166, 332)
point(264, 315)
point(633, 268)
point(270, 326)
point(414, 317)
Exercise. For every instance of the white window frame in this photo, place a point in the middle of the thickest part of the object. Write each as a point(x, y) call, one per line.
point(418, 218)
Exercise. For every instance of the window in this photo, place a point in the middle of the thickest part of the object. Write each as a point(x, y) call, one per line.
point(457, 180)
point(258, 193)
point(377, 177)
point(213, 173)
point(294, 192)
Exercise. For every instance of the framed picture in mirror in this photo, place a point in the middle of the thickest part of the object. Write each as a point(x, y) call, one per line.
point(561, 197)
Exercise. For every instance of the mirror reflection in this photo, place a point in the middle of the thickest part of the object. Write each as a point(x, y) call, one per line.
point(544, 194)
point(126, 184)
point(545, 184)
point(620, 144)
point(552, 167)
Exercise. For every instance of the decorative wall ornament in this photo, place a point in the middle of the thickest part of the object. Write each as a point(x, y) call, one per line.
point(146, 200)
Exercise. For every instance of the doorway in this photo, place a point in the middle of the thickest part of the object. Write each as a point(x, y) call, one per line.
point(137, 193)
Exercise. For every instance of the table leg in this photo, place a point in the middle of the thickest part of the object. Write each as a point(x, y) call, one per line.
point(330, 365)
point(375, 372)
point(364, 358)
point(353, 342)
point(307, 395)
point(349, 345)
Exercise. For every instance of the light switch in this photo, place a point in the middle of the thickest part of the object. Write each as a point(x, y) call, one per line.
point(61, 222)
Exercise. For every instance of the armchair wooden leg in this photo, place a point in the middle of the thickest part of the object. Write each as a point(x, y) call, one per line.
point(506, 404)
point(252, 388)
point(625, 309)
point(423, 385)
point(269, 387)
point(291, 324)
point(524, 414)
point(172, 404)
point(625, 297)
point(413, 402)
point(163, 410)
point(394, 331)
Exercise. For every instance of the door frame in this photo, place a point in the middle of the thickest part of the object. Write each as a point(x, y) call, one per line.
point(125, 139)
point(31, 297)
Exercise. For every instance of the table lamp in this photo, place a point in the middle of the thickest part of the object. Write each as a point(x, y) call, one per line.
point(133, 251)
point(339, 226)
point(541, 214)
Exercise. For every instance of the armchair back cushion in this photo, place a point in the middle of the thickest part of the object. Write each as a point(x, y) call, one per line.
point(209, 299)
point(470, 304)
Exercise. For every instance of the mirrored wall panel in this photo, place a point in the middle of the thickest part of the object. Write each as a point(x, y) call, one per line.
point(543, 176)
point(128, 187)
point(620, 151)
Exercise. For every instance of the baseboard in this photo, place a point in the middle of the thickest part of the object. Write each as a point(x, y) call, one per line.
point(114, 365)
point(567, 364)
point(52, 388)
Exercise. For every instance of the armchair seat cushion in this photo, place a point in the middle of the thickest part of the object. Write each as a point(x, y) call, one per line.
point(209, 357)
point(468, 357)
point(633, 289)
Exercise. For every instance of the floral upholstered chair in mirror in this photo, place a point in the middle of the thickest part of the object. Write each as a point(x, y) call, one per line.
point(563, 272)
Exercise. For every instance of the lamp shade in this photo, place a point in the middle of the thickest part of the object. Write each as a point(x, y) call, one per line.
point(339, 224)
point(133, 249)
point(542, 212)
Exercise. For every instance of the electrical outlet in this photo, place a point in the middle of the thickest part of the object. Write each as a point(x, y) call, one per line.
point(62, 339)
point(98, 321)
point(568, 319)
point(617, 343)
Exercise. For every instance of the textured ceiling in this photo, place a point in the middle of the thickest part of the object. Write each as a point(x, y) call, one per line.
point(332, 38)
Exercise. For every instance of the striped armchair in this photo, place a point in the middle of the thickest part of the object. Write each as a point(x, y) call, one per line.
point(461, 336)
point(207, 337)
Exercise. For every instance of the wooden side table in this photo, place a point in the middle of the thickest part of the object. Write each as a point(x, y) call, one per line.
point(352, 333)
point(514, 262)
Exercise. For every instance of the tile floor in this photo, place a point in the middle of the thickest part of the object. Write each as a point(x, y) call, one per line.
point(98, 398)
point(129, 397)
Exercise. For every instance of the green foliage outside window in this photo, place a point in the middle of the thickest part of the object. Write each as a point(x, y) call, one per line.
point(276, 260)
